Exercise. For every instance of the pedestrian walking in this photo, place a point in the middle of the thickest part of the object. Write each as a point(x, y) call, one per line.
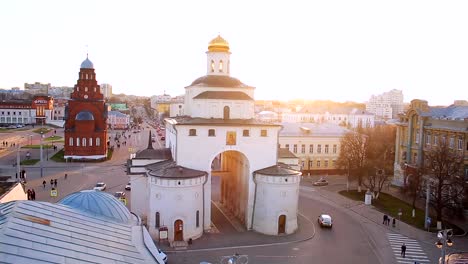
point(394, 222)
point(66, 176)
point(51, 183)
point(44, 183)
point(403, 250)
point(385, 217)
point(33, 195)
point(29, 194)
point(55, 183)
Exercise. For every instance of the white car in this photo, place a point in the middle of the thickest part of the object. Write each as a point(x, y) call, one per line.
point(128, 187)
point(325, 220)
point(100, 186)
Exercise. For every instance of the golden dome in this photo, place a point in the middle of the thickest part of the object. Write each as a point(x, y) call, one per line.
point(218, 44)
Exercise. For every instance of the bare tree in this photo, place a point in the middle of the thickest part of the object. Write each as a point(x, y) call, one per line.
point(443, 167)
point(415, 184)
point(379, 158)
point(353, 155)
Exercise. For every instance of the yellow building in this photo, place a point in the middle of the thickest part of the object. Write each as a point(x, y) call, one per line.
point(422, 127)
point(316, 145)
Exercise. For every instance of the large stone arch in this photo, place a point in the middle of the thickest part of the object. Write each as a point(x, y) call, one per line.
point(234, 171)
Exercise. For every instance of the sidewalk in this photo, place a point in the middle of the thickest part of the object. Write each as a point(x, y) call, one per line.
point(372, 214)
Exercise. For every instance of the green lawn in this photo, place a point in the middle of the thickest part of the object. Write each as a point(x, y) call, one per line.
point(390, 205)
point(58, 157)
point(29, 162)
point(42, 129)
point(44, 146)
point(54, 138)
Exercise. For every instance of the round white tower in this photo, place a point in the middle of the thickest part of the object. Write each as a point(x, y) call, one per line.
point(276, 200)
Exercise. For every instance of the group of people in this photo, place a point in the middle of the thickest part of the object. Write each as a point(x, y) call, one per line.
point(386, 220)
point(31, 194)
point(5, 144)
point(53, 182)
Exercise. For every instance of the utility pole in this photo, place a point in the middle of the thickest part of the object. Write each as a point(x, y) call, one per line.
point(428, 189)
point(40, 153)
point(18, 162)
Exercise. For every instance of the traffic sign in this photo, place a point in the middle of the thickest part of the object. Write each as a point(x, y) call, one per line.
point(53, 193)
point(123, 200)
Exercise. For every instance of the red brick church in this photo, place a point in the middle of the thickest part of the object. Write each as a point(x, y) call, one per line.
point(86, 118)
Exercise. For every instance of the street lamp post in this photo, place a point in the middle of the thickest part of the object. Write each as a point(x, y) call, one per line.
point(444, 241)
point(40, 158)
point(18, 163)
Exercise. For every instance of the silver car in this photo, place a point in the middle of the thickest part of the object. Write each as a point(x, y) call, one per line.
point(325, 220)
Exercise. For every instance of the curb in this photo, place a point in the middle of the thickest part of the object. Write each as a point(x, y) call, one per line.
point(252, 246)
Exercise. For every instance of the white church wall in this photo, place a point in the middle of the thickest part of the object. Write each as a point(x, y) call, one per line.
point(207, 148)
point(176, 199)
point(139, 195)
point(276, 195)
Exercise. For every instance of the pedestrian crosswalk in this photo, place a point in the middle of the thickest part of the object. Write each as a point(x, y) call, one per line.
point(414, 252)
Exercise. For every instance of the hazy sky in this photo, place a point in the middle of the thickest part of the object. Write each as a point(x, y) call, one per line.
point(327, 49)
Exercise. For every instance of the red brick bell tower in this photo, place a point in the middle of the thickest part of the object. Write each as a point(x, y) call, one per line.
point(86, 118)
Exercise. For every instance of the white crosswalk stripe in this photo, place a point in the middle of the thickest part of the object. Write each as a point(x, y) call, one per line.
point(414, 252)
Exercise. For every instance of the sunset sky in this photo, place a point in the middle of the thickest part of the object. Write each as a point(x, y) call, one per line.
point(333, 50)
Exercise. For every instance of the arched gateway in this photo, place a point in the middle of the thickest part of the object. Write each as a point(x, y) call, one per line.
point(217, 141)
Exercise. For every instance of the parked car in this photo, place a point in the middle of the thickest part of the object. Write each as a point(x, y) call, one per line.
point(128, 187)
point(325, 220)
point(119, 195)
point(100, 186)
point(163, 138)
point(321, 182)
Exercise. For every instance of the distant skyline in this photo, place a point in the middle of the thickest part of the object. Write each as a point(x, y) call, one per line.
point(315, 50)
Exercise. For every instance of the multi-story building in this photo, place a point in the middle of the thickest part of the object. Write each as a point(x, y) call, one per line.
point(106, 90)
point(423, 127)
point(344, 117)
point(118, 120)
point(316, 145)
point(60, 91)
point(38, 111)
point(387, 105)
point(176, 106)
point(37, 87)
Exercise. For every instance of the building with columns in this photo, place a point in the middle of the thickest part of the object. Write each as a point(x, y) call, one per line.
point(218, 137)
point(86, 118)
point(422, 127)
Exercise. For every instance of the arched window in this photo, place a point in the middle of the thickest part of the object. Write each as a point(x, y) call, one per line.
point(98, 142)
point(86, 76)
point(94, 89)
point(86, 89)
point(90, 142)
point(220, 66)
point(77, 142)
point(83, 142)
point(70, 141)
point(157, 220)
point(212, 66)
point(226, 112)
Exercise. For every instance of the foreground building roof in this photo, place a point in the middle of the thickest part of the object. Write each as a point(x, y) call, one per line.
point(67, 232)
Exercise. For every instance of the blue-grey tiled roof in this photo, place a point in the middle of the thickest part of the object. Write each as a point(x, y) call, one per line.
point(99, 204)
point(452, 112)
point(312, 130)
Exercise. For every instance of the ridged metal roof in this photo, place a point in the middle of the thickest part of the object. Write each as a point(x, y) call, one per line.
point(42, 232)
point(99, 204)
